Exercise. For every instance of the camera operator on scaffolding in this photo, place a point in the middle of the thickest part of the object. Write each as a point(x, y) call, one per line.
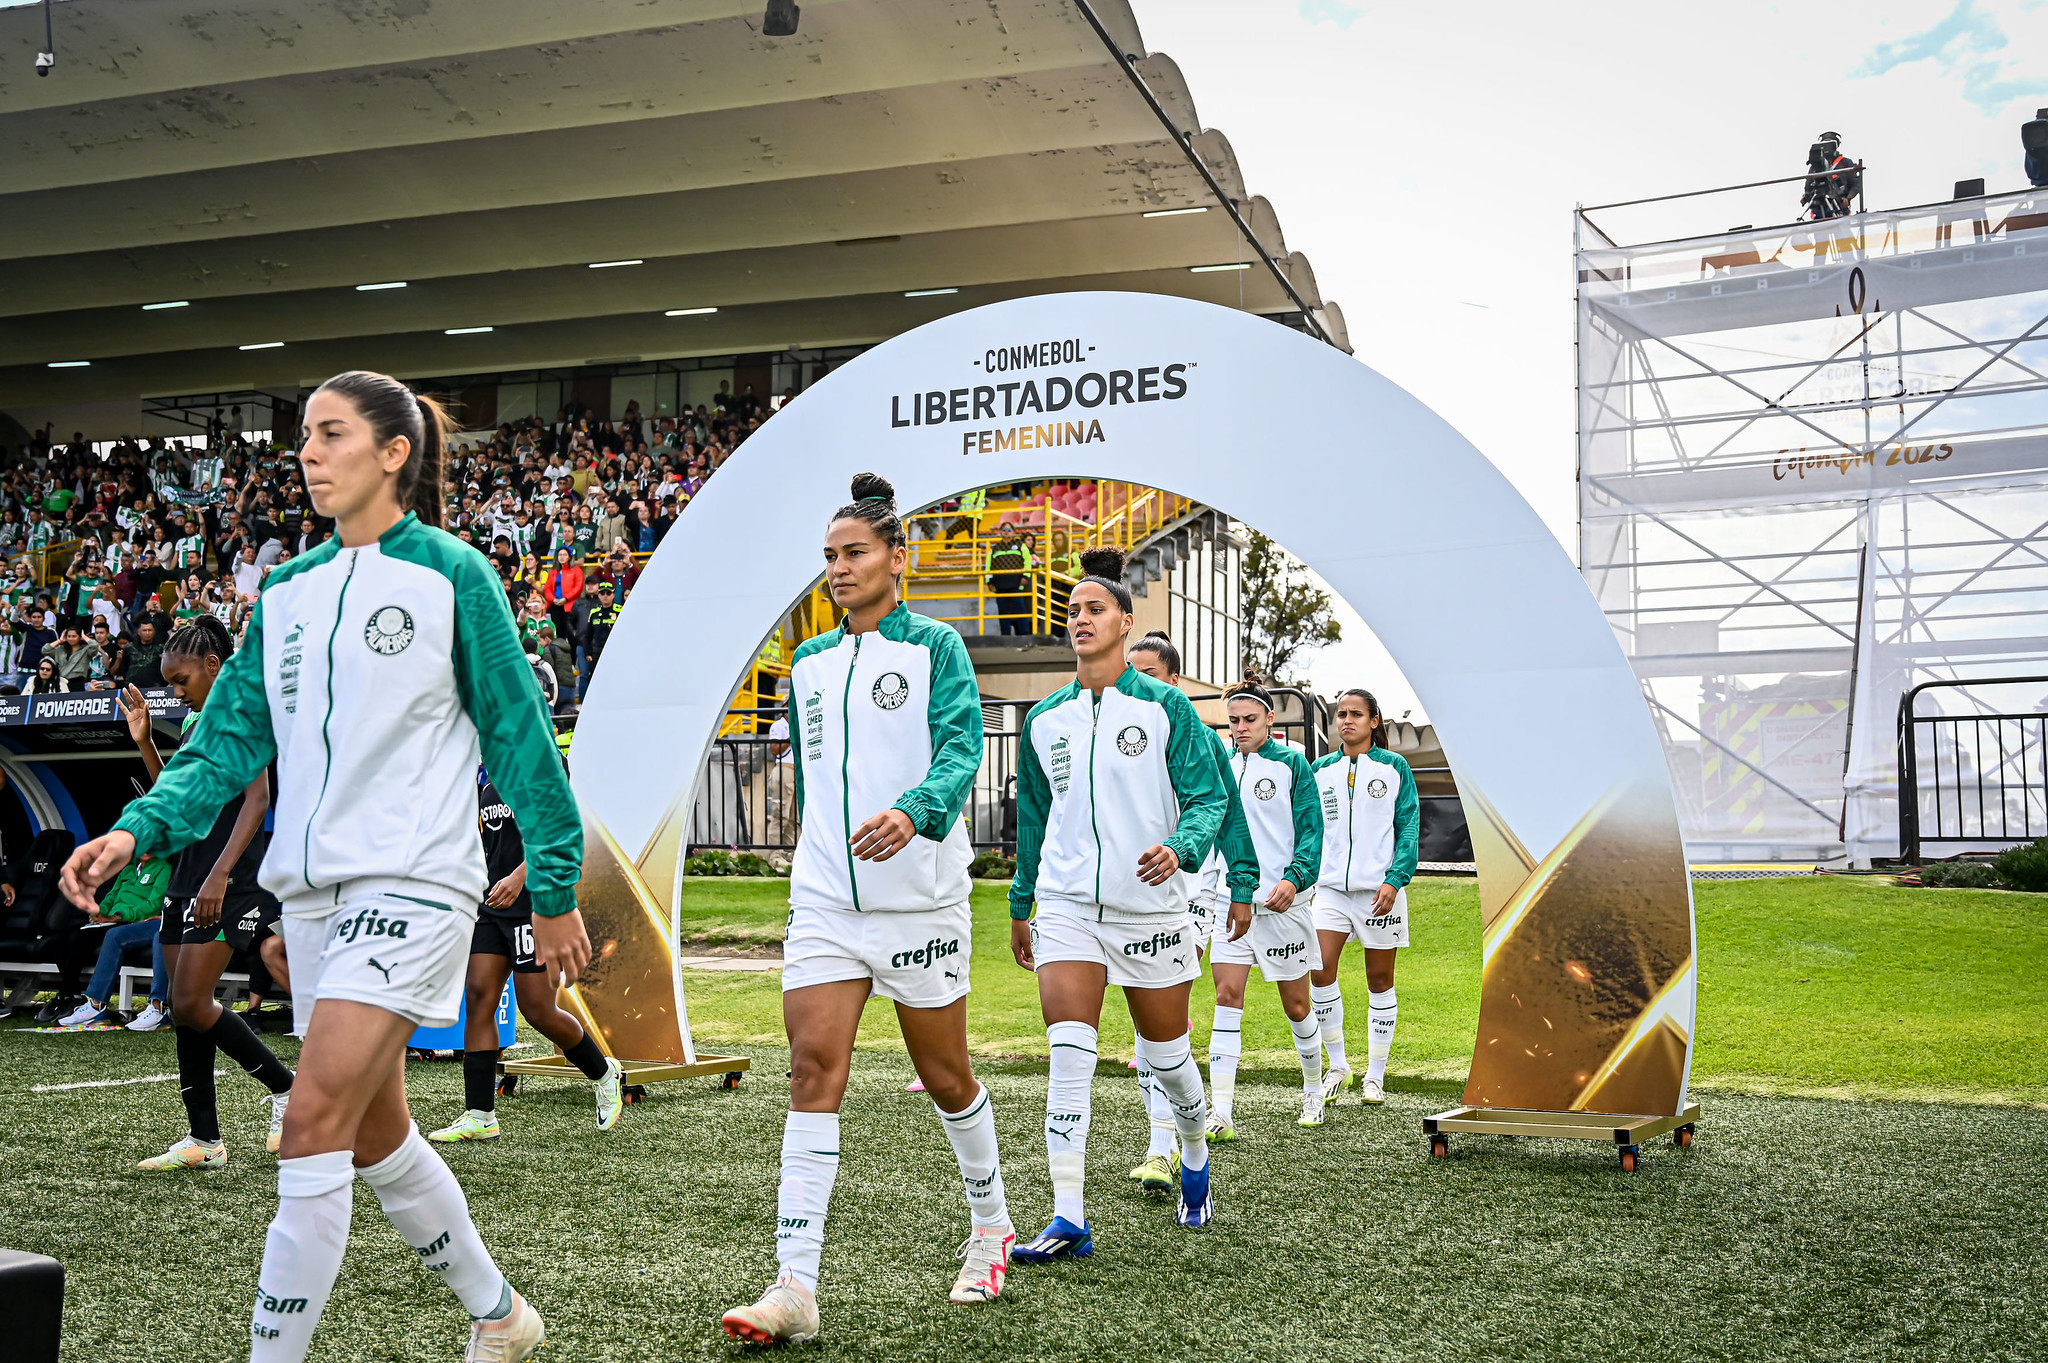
point(1833, 181)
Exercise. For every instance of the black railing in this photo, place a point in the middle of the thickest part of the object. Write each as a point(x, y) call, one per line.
point(1979, 778)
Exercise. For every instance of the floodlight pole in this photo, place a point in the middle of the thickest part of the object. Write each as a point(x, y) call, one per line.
point(1186, 143)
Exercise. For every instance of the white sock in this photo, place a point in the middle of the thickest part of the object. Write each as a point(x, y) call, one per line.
point(1067, 1108)
point(1158, 1111)
point(1179, 1082)
point(1384, 1012)
point(973, 1134)
point(419, 1194)
point(810, 1165)
point(1329, 1002)
point(301, 1255)
point(1226, 1044)
point(1308, 1045)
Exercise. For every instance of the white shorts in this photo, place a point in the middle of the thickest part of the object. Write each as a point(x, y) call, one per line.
point(1351, 912)
point(1142, 953)
point(1202, 913)
point(407, 956)
point(918, 959)
point(1281, 945)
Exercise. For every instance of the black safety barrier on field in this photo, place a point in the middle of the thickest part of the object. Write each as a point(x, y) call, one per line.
point(1978, 778)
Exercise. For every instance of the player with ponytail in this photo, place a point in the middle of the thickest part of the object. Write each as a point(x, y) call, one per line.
point(1118, 790)
point(214, 908)
point(377, 671)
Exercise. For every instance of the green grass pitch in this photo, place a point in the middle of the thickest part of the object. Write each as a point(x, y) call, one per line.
point(1867, 1182)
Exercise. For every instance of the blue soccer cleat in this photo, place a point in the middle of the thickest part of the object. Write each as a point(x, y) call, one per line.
point(1196, 1206)
point(1060, 1240)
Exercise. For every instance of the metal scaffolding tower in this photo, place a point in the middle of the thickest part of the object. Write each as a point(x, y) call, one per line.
point(1813, 473)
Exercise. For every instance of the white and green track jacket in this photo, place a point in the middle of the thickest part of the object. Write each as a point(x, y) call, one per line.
point(1100, 779)
point(1231, 874)
point(887, 719)
point(1279, 795)
point(376, 677)
point(1371, 820)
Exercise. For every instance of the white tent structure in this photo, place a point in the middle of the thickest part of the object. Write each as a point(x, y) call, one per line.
point(1813, 475)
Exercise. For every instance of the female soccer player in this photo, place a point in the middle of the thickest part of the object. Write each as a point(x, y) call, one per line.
point(1278, 791)
point(1215, 887)
point(888, 742)
point(1117, 790)
point(378, 669)
point(214, 908)
point(1372, 822)
point(501, 948)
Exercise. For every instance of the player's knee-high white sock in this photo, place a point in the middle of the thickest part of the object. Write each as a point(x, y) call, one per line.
point(1158, 1111)
point(301, 1255)
point(1067, 1108)
point(973, 1133)
point(1226, 1044)
point(810, 1165)
point(1308, 1045)
point(1329, 1002)
point(1385, 1011)
point(419, 1194)
point(1178, 1080)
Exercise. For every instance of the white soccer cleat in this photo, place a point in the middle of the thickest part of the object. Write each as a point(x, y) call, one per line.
point(786, 1314)
point(611, 1097)
point(1333, 1084)
point(1371, 1093)
point(150, 1019)
point(1219, 1130)
point(470, 1126)
point(278, 1103)
point(189, 1154)
point(986, 1255)
point(1311, 1108)
point(510, 1340)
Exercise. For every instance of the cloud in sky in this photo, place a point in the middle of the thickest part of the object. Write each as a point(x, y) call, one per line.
point(1970, 45)
point(1339, 12)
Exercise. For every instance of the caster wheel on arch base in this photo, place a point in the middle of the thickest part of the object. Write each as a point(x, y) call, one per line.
point(730, 1080)
point(1682, 1137)
point(508, 1084)
point(1439, 1146)
point(1629, 1154)
point(635, 1093)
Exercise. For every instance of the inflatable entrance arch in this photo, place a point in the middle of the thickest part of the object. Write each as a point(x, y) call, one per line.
point(1587, 1001)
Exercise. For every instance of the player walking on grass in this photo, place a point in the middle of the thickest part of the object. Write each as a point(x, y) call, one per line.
point(501, 947)
point(1279, 797)
point(377, 670)
point(1218, 888)
point(214, 908)
point(1372, 823)
point(887, 727)
point(1117, 790)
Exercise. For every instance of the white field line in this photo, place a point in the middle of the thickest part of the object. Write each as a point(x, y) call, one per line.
point(110, 1083)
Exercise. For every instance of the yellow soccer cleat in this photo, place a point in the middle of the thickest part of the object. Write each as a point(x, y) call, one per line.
point(1155, 1175)
point(470, 1126)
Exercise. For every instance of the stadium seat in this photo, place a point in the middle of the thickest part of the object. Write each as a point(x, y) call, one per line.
point(32, 1304)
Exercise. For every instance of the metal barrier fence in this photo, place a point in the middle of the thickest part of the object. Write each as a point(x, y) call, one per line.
point(1976, 778)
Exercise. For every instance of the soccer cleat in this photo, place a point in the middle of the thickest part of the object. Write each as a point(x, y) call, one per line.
point(611, 1097)
point(189, 1154)
point(1155, 1175)
point(151, 1019)
point(1334, 1082)
point(1060, 1240)
point(1311, 1108)
point(1196, 1206)
point(277, 1102)
point(786, 1314)
point(518, 1336)
point(1219, 1130)
point(1371, 1093)
point(470, 1126)
point(987, 1263)
point(84, 1015)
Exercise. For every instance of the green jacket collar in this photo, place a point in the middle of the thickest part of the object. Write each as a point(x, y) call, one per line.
point(895, 626)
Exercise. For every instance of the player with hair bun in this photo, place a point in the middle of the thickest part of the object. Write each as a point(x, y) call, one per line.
point(1117, 791)
point(1372, 821)
point(886, 721)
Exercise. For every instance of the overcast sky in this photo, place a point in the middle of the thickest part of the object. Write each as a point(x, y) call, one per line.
point(1427, 159)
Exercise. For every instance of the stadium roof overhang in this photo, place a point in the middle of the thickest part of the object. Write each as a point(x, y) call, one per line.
point(261, 162)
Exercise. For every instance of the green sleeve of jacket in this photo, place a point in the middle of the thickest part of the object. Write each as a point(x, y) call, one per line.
point(954, 714)
point(498, 692)
point(220, 756)
point(1240, 858)
point(1034, 800)
point(1307, 866)
point(1407, 825)
point(1203, 792)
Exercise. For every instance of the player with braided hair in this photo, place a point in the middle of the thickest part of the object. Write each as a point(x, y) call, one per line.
point(215, 908)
